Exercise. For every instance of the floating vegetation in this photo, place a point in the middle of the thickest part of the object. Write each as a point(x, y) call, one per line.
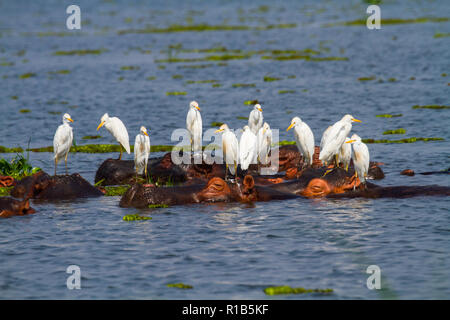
point(200, 81)
point(288, 290)
point(126, 68)
point(78, 52)
point(387, 21)
point(367, 78)
point(6, 64)
point(14, 97)
point(204, 28)
point(27, 75)
point(112, 191)
point(197, 66)
point(158, 205)
point(135, 217)
point(285, 143)
point(17, 168)
point(242, 118)
point(304, 57)
point(177, 76)
point(389, 115)
point(268, 79)
point(179, 286)
point(176, 93)
point(24, 110)
point(437, 107)
point(92, 148)
point(10, 150)
point(441, 35)
point(392, 80)
point(406, 140)
point(251, 102)
point(216, 124)
point(151, 78)
point(396, 131)
point(91, 137)
point(208, 58)
point(286, 91)
point(59, 72)
point(216, 85)
point(243, 85)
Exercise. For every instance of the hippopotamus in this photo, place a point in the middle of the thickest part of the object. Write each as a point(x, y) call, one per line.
point(11, 207)
point(215, 190)
point(45, 187)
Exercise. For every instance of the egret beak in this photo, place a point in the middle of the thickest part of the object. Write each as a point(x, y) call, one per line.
point(356, 120)
point(70, 119)
point(264, 130)
point(197, 107)
point(260, 109)
point(100, 125)
point(350, 141)
point(290, 127)
point(145, 132)
point(218, 130)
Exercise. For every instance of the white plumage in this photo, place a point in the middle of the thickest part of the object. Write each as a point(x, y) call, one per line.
point(230, 149)
point(304, 139)
point(63, 140)
point(264, 143)
point(335, 137)
point(345, 154)
point(194, 126)
point(360, 156)
point(247, 148)
point(117, 129)
point(141, 151)
point(255, 119)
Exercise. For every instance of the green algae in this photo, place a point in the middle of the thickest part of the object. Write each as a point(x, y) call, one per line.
point(6, 64)
point(436, 107)
point(205, 28)
point(392, 80)
point(216, 85)
point(59, 72)
point(200, 81)
point(27, 75)
point(389, 115)
point(101, 148)
point(406, 140)
point(197, 66)
point(179, 286)
point(135, 217)
point(79, 52)
point(91, 137)
point(14, 97)
point(251, 102)
point(225, 57)
point(269, 79)
point(177, 76)
point(216, 124)
point(289, 290)
point(24, 110)
point(441, 35)
point(285, 143)
point(127, 68)
point(151, 78)
point(242, 118)
point(396, 131)
point(243, 85)
point(304, 57)
point(158, 205)
point(389, 21)
point(10, 150)
point(367, 78)
point(286, 91)
point(112, 191)
point(176, 93)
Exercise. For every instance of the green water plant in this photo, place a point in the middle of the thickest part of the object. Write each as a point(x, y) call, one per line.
point(396, 131)
point(386, 115)
point(5, 191)
point(436, 107)
point(405, 140)
point(289, 290)
point(179, 286)
point(135, 217)
point(112, 191)
point(18, 167)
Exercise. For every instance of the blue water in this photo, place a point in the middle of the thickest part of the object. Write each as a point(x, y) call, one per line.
point(231, 250)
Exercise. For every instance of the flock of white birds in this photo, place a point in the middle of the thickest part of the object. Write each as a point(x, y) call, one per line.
point(253, 147)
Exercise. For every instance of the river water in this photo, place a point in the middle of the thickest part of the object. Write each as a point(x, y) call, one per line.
point(228, 251)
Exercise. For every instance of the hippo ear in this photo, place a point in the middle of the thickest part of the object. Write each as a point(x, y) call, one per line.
point(249, 183)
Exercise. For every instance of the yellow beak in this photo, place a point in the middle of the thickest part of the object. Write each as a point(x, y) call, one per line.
point(350, 141)
point(70, 119)
point(198, 108)
point(218, 130)
point(356, 120)
point(260, 109)
point(100, 125)
point(145, 132)
point(290, 127)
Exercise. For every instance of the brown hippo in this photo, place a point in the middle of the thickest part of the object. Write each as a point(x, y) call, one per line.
point(46, 187)
point(216, 190)
point(11, 207)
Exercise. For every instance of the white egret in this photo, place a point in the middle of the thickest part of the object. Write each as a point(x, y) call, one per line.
point(247, 148)
point(63, 140)
point(230, 149)
point(361, 157)
point(194, 126)
point(255, 119)
point(345, 154)
point(335, 137)
point(324, 137)
point(117, 129)
point(264, 143)
point(141, 151)
point(304, 139)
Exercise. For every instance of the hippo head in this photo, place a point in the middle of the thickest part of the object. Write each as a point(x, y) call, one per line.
point(216, 190)
point(337, 181)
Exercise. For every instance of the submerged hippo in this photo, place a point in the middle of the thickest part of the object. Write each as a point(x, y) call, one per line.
point(46, 187)
point(216, 190)
point(11, 207)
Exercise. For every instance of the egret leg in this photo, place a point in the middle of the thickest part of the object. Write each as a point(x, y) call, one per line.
point(65, 160)
point(235, 171)
point(120, 156)
point(356, 177)
point(56, 164)
point(336, 157)
point(146, 172)
point(226, 171)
